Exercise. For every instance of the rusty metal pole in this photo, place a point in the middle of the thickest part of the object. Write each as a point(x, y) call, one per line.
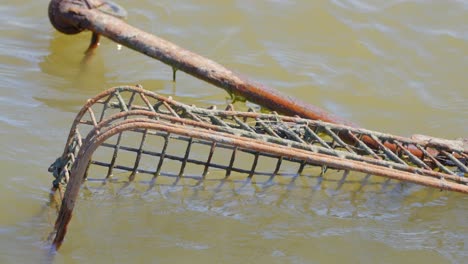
point(72, 17)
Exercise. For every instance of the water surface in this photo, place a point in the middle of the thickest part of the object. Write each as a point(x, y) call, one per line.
point(393, 66)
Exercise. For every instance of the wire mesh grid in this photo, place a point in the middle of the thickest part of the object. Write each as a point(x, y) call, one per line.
point(142, 133)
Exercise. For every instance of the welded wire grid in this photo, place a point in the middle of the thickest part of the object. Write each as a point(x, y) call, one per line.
point(153, 152)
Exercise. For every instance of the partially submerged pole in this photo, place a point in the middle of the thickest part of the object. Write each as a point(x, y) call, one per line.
point(72, 17)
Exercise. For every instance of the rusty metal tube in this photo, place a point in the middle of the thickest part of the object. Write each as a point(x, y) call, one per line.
point(77, 16)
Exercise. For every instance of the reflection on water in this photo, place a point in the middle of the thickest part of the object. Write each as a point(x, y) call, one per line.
point(217, 220)
point(66, 60)
point(68, 69)
point(392, 66)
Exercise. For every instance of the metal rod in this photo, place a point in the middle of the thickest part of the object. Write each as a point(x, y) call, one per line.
point(66, 14)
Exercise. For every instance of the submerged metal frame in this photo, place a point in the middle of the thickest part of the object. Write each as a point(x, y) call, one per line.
point(433, 162)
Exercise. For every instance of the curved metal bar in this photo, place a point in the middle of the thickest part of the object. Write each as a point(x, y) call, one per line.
point(101, 133)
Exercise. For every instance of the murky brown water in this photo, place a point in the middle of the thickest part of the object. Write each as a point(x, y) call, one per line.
point(393, 66)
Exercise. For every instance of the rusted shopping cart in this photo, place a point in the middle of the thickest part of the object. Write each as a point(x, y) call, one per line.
point(143, 126)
